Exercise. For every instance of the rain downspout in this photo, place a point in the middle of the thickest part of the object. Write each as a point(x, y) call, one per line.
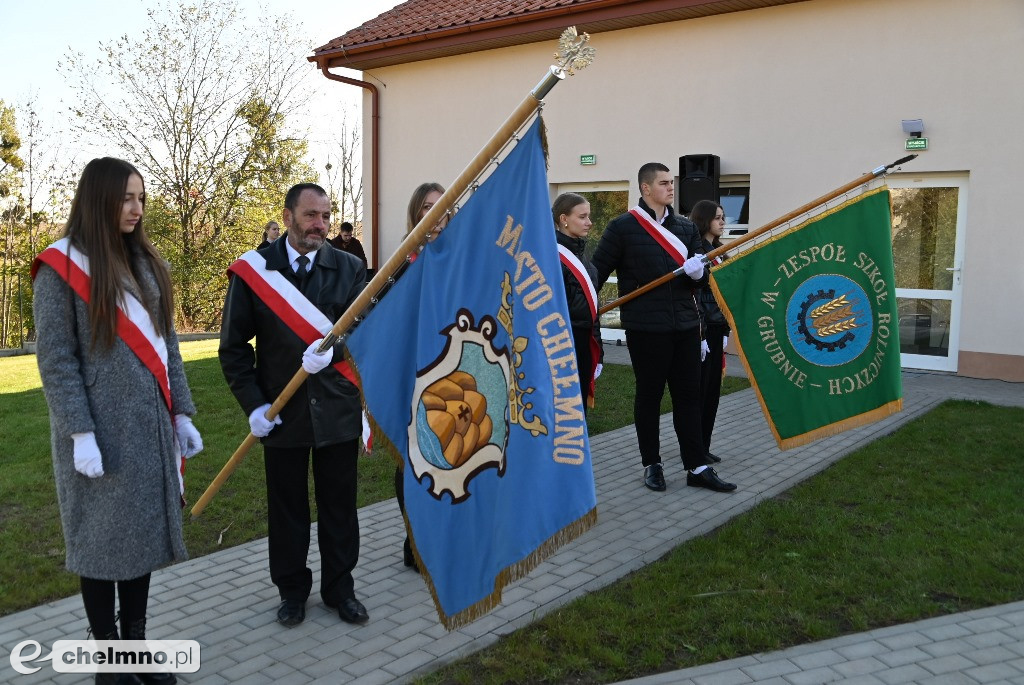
point(374, 150)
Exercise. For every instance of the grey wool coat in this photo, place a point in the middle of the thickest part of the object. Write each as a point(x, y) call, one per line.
point(127, 522)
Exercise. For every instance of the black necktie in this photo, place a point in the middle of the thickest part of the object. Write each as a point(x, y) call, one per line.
point(303, 261)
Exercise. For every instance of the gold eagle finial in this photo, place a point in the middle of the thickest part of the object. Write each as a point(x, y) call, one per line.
point(573, 51)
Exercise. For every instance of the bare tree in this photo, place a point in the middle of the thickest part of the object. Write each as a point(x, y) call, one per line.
point(35, 177)
point(344, 174)
point(198, 101)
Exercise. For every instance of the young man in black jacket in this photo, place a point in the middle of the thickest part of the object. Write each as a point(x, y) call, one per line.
point(664, 326)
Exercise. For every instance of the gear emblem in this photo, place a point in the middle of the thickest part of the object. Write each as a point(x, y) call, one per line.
point(829, 320)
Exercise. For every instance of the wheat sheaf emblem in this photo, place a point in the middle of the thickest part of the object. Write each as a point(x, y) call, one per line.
point(833, 317)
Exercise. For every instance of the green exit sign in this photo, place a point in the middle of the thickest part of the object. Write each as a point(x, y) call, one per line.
point(588, 159)
point(917, 143)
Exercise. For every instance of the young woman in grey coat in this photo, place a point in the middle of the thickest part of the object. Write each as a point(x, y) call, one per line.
point(116, 431)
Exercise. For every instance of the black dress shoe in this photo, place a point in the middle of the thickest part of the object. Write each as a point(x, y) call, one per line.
point(351, 610)
point(708, 479)
point(714, 458)
point(291, 613)
point(654, 477)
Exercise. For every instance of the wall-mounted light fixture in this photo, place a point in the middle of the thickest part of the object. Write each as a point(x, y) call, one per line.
point(913, 127)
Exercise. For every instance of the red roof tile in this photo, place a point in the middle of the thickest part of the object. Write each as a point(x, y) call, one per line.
point(419, 16)
point(425, 29)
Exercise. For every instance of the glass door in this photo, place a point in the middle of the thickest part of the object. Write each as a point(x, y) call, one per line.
point(928, 221)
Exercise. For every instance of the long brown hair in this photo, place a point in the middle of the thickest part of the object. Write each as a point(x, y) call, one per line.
point(702, 214)
point(416, 203)
point(94, 228)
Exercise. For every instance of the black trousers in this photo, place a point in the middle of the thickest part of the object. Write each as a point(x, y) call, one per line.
point(334, 485)
point(674, 359)
point(711, 383)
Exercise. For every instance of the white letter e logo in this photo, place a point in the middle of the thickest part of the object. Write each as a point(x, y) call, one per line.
point(17, 660)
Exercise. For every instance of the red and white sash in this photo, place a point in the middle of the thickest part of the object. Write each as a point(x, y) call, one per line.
point(576, 268)
point(668, 241)
point(134, 325)
point(294, 309)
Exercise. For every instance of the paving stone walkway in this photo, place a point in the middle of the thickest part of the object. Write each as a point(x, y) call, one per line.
point(226, 602)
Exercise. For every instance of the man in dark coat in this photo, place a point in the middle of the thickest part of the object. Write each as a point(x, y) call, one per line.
point(322, 418)
point(346, 242)
point(664, 326)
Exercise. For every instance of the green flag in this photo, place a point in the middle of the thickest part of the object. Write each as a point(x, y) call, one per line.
point(814, 313)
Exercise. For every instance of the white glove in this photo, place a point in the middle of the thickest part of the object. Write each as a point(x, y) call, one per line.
point(88, 461)
point(725, 342)
point(694, 267)
point(189, 440)
point(259, 424)
point(704, 349)
point(598, 370)
point(313, 362)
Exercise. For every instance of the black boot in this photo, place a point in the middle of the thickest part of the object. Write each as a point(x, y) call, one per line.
point(136, 630)
point(407, 556)
point(113, 678)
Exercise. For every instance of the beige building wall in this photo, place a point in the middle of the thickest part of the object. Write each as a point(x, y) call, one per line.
point(802, 98)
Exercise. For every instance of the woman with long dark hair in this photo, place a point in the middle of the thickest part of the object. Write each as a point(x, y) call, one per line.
point(118, 398)
point(709, 218)
point(571, 214)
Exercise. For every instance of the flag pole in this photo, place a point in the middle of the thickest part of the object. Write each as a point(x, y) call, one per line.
point(733, 244)
point(573, 54)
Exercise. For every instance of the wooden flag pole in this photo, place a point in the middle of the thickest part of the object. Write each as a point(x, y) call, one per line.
point(661, 280)
point(574, 54)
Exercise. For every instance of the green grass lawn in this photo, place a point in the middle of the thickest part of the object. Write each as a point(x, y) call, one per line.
point(31, 543)
point(926, 521)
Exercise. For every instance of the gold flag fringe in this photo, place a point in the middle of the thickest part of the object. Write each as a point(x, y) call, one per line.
point(544, 140)
point(514, 572)
point(508, 575)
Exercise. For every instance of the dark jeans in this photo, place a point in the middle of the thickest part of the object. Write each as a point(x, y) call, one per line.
point(334, 484)
point(672, 358)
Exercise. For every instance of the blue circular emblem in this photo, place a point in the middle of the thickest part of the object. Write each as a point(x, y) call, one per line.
point(829, 320)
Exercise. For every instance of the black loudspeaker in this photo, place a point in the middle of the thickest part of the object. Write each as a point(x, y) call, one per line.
point(698, 180)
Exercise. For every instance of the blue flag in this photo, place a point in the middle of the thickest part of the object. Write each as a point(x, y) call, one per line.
point(469, 369)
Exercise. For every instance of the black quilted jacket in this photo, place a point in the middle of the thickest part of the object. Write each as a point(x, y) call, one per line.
point(627, 249)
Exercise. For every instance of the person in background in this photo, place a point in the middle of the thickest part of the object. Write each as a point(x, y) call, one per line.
point(423, 198)
point(571, 214)
point(317, 283)
point(422, 201)
point(346, 242)
point(709, 218)
point(119, 402)
point(664, 326)
point(271, 232)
